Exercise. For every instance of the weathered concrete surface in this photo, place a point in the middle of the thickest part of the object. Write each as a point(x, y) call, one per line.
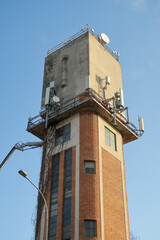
point(102, 64)
point(77, 53)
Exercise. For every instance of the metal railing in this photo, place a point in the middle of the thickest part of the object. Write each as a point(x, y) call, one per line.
point(86, 96)
point(118, 115)
point(35, 121)
point(69, 104)
point(80, 33)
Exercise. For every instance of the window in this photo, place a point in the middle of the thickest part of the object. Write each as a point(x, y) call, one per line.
point(89, 167)
point(90, 228)
point(54, 197)
point(110, 139)
point(62, 134)
point(67, 195)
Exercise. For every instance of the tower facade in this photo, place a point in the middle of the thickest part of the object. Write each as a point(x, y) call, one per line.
point(83, 125)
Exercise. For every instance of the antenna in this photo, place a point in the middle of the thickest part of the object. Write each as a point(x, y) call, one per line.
point(117, 54)
point(87, 25)
point(56, 99)
point(104, 39)
point(52, 84)
point(108, 80)
point(141, 124)
point(47, 95)
point(121, 97)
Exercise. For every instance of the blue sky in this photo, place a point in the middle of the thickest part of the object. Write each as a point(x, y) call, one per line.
point(28, 30)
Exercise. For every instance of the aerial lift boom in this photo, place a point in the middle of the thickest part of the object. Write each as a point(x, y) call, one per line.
point(22, 147)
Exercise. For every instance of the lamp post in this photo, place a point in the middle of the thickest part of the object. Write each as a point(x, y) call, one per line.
point(24, 174)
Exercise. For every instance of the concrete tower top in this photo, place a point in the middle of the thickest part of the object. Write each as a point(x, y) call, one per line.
point(81, 63)
point(83, 73)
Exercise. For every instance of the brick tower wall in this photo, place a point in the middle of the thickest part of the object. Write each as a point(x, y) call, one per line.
point(100, 196)
point(89, 183)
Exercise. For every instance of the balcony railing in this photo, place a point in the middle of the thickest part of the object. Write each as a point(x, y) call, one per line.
point(88, 96)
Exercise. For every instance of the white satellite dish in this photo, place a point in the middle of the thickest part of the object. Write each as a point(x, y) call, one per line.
point(56, 99)
point(104, 38)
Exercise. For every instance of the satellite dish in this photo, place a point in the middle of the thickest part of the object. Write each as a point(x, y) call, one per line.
point(104, 39)
point(56, 99)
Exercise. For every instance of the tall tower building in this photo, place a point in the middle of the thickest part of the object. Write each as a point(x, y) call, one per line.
point(84, 124)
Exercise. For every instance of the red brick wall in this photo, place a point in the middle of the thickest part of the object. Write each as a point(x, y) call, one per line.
point(114, 217)
point(126, 200)
point(89, 192)
point(89, 183)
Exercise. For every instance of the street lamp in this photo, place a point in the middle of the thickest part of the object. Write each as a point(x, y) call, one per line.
point(24, 174)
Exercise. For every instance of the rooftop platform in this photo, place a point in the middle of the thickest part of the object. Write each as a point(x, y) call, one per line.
point(90, 101)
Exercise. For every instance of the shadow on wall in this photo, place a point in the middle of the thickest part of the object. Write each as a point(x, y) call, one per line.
point(99, 81)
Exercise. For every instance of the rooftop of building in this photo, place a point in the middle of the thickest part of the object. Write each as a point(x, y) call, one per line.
point(80, 33)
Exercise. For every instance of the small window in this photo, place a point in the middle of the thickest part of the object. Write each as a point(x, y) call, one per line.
point(110, 139)
point(89, 167)
point(90, 228)
point(62, 135)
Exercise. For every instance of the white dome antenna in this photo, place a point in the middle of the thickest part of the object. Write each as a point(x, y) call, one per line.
point(104, 39)
point(56, 99)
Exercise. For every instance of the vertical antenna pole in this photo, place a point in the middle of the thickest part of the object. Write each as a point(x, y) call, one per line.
point(46, 119)
point(127, 115)
point(114, 110)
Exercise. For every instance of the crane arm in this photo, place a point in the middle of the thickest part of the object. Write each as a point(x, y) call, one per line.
point(21, 147)
point(6, 158)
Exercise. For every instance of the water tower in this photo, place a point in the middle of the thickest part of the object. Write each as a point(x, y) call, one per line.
point(83, 123)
